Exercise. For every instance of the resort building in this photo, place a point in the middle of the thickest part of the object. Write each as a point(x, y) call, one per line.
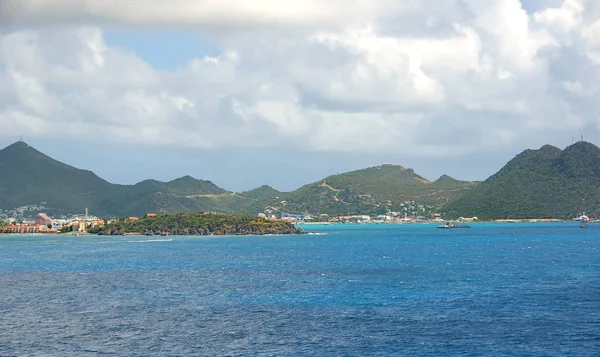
point(42, 219)
point(26, 228)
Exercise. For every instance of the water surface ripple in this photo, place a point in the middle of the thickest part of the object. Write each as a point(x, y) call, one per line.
point(380, 290)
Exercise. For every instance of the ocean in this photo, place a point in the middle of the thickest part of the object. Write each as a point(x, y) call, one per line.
point(352, 290)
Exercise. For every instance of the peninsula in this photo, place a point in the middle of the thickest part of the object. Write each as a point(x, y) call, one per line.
point(201, 223)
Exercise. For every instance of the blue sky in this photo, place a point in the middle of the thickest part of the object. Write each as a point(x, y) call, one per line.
point(286, 93)
point(163, 49)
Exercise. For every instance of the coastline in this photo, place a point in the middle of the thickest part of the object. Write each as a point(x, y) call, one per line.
point(137, 234)
point(306, 225)
point(511, 221)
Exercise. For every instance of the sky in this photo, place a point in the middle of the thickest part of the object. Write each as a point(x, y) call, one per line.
point(284, 93)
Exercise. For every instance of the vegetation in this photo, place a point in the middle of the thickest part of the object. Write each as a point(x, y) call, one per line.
point(30, 177)
point(198, 224)
point(371, 191)
point(544, 183)
point(262, 192)
point(66, 229)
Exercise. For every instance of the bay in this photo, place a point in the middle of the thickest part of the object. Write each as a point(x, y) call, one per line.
point(352, 290)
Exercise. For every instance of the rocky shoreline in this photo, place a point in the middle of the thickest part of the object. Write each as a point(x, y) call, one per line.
point(204, 231)
point(200, 224)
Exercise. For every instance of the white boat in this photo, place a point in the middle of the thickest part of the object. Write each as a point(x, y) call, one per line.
point(583, 221)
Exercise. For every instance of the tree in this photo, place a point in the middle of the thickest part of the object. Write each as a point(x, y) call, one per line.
point(66, 229)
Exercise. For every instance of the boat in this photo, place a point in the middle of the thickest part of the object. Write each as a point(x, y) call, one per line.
point(583, 221)
point(449, 225)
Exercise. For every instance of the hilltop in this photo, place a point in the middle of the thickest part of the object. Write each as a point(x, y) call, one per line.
point(542, 183)
point(28, 177)
point(369, 191)
point(262, 192)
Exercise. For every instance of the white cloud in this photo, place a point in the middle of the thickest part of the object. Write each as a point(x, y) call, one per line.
point(381, 76)
point(563, 19)
point(199, 13)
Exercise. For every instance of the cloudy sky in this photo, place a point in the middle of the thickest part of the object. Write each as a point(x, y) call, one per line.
point(286, 92)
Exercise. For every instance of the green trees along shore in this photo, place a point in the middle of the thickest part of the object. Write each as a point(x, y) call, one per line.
point(198, 224)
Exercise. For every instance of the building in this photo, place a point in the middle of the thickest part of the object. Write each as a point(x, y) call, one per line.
point(25, 228)
point(42, 219)
point(79, 226)
point(95, 223)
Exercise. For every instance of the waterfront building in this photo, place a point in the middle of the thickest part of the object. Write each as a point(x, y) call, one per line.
point(42, 219)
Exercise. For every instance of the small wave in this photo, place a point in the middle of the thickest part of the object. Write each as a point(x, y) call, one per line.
point(316, 233)
point(150, 240)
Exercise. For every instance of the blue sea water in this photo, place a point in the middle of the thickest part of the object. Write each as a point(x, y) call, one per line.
point(355, 290)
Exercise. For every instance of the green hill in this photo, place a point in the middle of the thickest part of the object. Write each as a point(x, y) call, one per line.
point(369, 191)
point(262, 192)
point(28, 177)
point(183, 186)
point(540, 183)
point(185, 194)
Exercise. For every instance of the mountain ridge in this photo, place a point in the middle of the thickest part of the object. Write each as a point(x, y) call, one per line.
point(543, 183)
point(70, 189)
point(30, 177)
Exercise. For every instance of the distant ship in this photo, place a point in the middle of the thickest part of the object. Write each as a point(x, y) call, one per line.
point(449, 225)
